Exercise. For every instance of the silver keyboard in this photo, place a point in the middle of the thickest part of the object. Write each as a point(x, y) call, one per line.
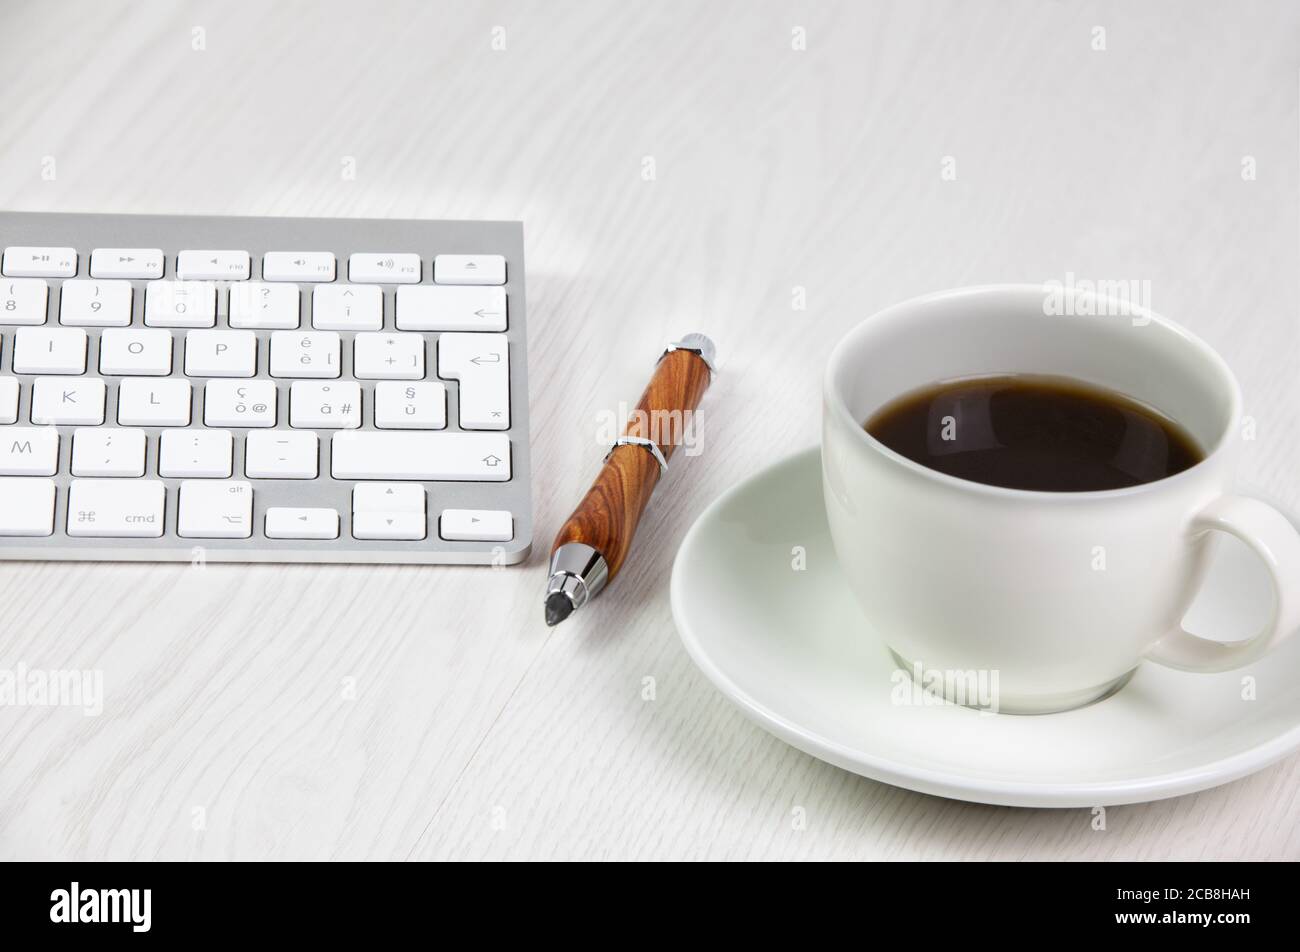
point(262, 390)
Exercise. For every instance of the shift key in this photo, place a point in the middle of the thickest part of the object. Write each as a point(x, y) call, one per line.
point(470, 457)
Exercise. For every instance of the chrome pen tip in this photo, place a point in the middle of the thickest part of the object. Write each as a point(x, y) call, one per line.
point(558, 608)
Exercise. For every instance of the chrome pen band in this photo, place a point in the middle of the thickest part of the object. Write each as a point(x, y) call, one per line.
point(696, 344)
point(650, 445)
point(578, 571)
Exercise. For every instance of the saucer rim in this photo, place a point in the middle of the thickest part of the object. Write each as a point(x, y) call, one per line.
point(949, 784)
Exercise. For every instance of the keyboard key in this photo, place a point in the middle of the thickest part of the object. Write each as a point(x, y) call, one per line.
point(388, 497)
point(61, 400)
point(476, 525)
point(325, 406)
point(347, 307)
point(180, 304)
point(26, 507)
point(410, 406)
point(135, 352)
point(85, 303)
point(305, 354)
point(154, 402)
point(196, 453)
point(241, 403)
point(212, 265)
point(298, 266)
point(481, 362)
point(469, 269)
point(220, 354)
point(281, 454)
point(8, 399)
point(369, 454)
point(23, 301)
point(435, 308)
point(289, 523)
point(110, 451)
point(407, 526)
point(116, 508)
point(259, 304)
point(388, 356)
point(49, 350)
point(126, 263)
point(40, 262)
point(384, 269)
point(29, 451)
point(216, 510)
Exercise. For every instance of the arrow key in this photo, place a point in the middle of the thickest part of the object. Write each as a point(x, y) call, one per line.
point(476, 525)
point(407, 526)
point(295, 523)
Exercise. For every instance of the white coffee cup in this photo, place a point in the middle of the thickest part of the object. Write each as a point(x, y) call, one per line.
point(958, 576)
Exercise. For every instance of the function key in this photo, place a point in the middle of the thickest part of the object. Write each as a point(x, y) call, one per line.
point(384, 269)
point(212, 266)
point(298, 266)
point(126, 263)
point(469, 269)
point(24, 262)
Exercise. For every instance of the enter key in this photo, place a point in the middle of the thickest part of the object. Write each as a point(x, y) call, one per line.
point(481, 363)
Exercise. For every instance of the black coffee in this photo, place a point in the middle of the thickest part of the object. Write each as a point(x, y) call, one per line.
point(1034, 432)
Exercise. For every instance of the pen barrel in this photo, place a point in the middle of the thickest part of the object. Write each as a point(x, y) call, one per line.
point(608, 515)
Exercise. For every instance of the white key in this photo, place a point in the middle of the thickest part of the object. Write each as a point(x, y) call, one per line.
point(49, 350)
point(305, 354)
point(388, 357)
point(29, 451)
point(108, 451)
point(154, 402)
point(260, 304)
point(135, 352)
point(26, 507)
point(406, 526)
point(388, 497)
point(281, 454)
point(384, 269)
point(431, 307)
point(347, 307)
point(325, 406)
point(469, 269)
point(23, 262)
point(371, 454)
point(221, 510)
point(68, 400)
point(388, 511)
point(116, 508)
point(286, 523)
point(8, 399)
point(476, 525)
point(481, 362)
point(410, 406)
point(23, 301)
point(198, 453)
point(298, 266)
point(220, 354)
point(180, 304)
point(126, 263)
point(212, 266)
point(85, 303)
point(241, 403)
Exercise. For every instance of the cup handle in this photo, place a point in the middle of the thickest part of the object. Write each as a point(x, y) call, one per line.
point(1270, 536)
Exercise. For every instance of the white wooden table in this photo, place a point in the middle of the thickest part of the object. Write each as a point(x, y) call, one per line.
point(678, 167)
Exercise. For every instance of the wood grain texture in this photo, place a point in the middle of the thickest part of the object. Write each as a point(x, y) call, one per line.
point(375, 712)
point(608, 515)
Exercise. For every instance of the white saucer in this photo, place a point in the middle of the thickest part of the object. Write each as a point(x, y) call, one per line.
point(796, 653)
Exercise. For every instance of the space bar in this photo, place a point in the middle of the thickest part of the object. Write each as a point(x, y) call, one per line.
point(368, 454)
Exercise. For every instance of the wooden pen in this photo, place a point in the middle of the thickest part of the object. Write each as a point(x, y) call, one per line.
point(593, 543)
